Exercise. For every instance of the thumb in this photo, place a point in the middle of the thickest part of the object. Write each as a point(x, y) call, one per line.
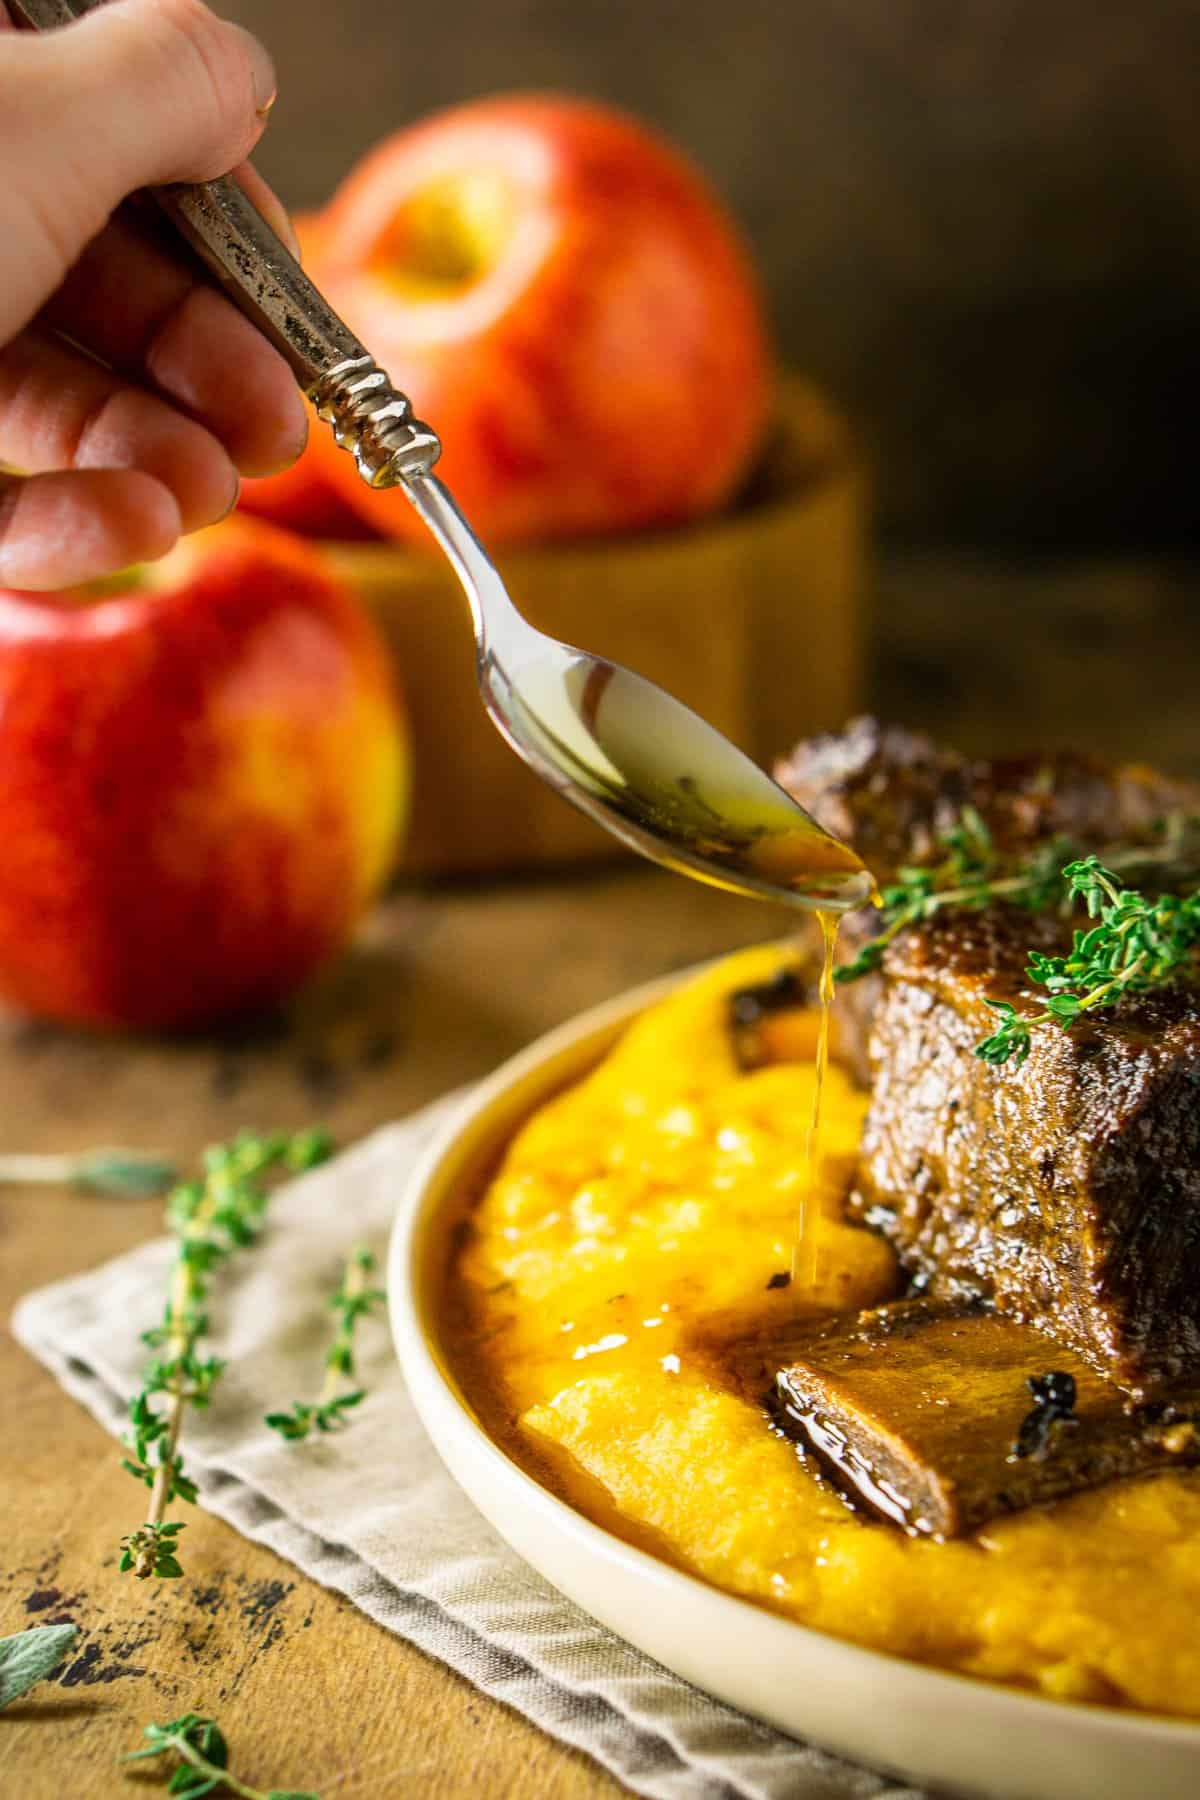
point(135, 93)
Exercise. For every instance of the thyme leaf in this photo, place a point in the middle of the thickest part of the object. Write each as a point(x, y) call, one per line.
point(203, 1760)
point(1137, 940)
point(352, 1301)
point(969, 874)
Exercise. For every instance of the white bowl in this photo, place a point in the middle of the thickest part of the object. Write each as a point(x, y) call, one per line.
point(923, 1724)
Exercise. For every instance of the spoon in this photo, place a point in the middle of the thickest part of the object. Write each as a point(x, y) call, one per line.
point(644, 766)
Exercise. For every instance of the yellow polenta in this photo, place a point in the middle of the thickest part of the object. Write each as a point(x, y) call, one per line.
point(637, 1220)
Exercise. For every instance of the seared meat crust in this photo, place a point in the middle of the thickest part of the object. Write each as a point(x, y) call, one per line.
point(893, 794)
point(1066, 1189)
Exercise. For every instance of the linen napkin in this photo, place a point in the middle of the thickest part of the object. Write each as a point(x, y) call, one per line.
point(374, 1514)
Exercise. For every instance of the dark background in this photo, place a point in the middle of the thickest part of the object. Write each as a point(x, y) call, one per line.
point(979, 222)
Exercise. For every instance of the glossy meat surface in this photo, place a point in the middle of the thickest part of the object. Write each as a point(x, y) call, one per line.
point(917, 1410)
point(894, 794)
point(1066, 1189)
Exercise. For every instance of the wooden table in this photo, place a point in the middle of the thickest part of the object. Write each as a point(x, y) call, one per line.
point(440, 987)
point(992, 654)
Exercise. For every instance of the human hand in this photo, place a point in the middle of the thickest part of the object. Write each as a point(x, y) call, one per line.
point(130, 391)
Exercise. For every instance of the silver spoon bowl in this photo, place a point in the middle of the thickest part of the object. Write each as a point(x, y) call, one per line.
point(644, 766)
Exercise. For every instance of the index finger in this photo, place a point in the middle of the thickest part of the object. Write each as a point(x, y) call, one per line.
point(136, 300)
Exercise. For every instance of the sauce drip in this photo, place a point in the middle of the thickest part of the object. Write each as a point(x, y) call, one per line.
point(804, 1250)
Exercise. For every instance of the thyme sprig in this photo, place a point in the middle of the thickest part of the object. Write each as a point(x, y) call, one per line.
point(352, 1301)
point(211, 1218)
point(1138, 943)
point(116, 1171)
point(970, 874)
point(203, 1766)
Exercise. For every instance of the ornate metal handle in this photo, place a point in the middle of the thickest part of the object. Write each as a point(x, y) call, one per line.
point(369, 418)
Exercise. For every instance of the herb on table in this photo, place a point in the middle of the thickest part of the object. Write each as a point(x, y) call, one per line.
point(1138, 942)
point(1053, 1407)
point(352, 1301)
point(211, 1218)
point(29, 1656)
point(203, 1756)
point(123, 1172)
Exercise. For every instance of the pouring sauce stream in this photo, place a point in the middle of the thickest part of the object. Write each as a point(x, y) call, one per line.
point(804, 1249)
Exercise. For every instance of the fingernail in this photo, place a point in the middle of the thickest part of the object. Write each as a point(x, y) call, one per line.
point(263, 72)
point(234, 497)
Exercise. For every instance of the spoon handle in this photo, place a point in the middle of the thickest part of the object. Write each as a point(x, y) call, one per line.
point(369, 417)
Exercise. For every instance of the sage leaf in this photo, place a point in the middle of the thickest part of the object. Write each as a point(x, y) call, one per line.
point(29, 1656)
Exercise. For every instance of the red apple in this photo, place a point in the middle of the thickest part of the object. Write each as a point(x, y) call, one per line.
point(202, 774)
point(567, 305)
point(301, 497)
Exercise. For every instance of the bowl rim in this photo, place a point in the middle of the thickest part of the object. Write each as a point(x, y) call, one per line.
point(443, 1408)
